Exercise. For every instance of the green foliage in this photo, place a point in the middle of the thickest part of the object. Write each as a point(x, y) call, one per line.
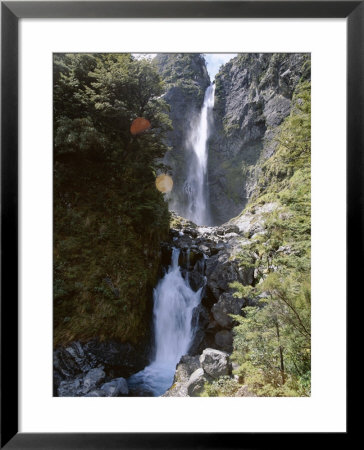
point(108, 215)
point(180, 70)
point(222, 387)
point(272, 343)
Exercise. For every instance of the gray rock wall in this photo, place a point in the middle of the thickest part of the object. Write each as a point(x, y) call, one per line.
point(186, 80)
point(253, 96)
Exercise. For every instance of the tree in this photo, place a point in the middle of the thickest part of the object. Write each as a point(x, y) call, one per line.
point(109, 218)
point(272, 342)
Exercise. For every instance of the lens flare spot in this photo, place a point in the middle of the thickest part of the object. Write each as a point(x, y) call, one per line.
point(164, 183)
point(139, 125)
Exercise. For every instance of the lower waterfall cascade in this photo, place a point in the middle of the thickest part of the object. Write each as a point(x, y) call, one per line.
point(174, 303)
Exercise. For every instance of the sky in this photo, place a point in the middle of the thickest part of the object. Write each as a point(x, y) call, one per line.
point(213, 60)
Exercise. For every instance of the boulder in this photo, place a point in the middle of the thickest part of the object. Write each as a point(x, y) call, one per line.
point(186, 366)
point(215, 362)
point(92, 379)
point(96, 393)
point(221, 271)
point(72, 388)
point(177, 390)
point(72, 361)
point(204, 249)
point(117, 359)
point(196, 383)
point(115, 388)
point(226, 305)
point(230, 228)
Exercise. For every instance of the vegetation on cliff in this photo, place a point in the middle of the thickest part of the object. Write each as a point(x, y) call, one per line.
point(252, 98)
point(272, 339)
point(109, 217)
point(272, 343)
point(185, 71)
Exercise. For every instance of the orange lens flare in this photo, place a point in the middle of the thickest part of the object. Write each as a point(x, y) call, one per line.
point(164, 183)
point(139, 125)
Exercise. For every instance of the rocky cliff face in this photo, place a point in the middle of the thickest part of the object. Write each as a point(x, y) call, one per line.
point(186, 80)
point(253, 96)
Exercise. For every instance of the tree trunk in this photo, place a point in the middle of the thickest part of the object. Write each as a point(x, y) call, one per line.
point(280, 354)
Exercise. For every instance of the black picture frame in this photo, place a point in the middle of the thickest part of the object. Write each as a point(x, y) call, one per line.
point(11, 12)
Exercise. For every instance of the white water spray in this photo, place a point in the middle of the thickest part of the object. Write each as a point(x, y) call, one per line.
point(196, 187)
point(174, 302)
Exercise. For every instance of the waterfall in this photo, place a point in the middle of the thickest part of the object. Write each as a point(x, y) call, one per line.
point(196, 185)
point(174, 302)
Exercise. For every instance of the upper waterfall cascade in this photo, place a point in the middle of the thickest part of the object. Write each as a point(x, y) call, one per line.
point(196, 185)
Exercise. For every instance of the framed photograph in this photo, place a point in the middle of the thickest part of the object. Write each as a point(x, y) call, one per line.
point(181, 201)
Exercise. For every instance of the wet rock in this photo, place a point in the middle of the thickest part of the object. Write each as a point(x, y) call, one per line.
point(115, 388)
point(72, 388)
point(72, 360)
point(96, 393)
point(118, 359)
point(92, 379)
point(215, 362)
point(166, 254)
point(200, 317)
point(183, 242)
point(200, 321)
point(197, 280)
point(217, 247)
point(194, 258)
point(186, 366)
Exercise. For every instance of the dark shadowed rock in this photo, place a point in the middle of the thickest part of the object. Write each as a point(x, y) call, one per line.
point(224, 340)
point(72, 388)
point(197, 280)
point(221, 271)
point(77, 359)
point(227, 305)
